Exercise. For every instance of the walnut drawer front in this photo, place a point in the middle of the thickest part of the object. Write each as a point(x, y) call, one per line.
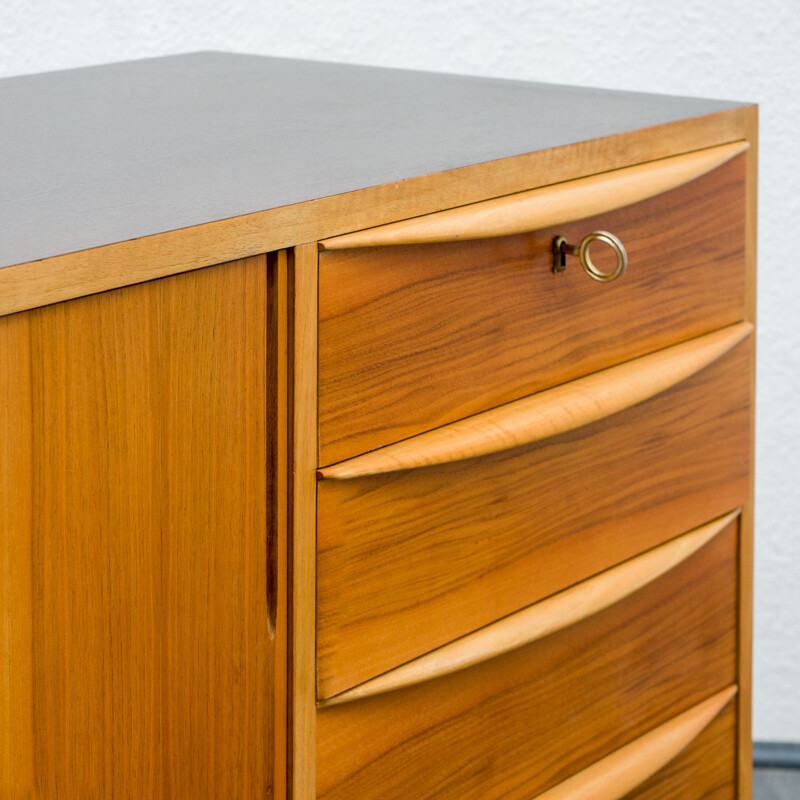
point(415, 336)
point(412, 559)
point(523, 723)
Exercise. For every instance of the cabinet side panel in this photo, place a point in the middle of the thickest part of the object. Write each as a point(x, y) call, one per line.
point(16, 611)
point(746, 531)
point(151, 651)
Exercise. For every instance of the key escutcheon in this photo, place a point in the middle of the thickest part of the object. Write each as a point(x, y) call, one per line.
point(561, 249)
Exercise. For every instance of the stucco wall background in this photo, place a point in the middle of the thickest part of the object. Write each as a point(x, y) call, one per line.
point(731, 50)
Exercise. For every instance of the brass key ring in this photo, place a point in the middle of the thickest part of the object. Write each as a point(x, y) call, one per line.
point(561, 250)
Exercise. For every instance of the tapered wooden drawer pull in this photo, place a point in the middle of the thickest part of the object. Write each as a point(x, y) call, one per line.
point(546, 206)
point(561, 249)
point(621, 772)
point(541, 619)
point(548, 413)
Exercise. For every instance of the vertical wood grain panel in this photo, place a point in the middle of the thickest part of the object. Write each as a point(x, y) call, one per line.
point(16, 609)
point(278, 504)
point(303, 275)
point(152, 657)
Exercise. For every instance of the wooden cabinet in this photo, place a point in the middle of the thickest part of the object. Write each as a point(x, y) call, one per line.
point(321, 476)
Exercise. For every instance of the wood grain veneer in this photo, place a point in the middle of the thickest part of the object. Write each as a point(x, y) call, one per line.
point(392, 364)
point(549, 413)
point(440, 551)
point(517, 725)
point(541, 619)
point(140, 663)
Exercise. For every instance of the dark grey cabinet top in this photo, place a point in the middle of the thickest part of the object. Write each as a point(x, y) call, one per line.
point(98, 155)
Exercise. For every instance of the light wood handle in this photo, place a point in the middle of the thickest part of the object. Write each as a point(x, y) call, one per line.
point(547, 413)
point(543, 618)
point(616, 775)
point(547, 206)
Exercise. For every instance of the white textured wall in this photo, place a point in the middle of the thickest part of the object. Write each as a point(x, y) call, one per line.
point(733, 50)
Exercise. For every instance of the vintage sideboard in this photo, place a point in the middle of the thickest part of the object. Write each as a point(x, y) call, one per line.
point(372, 433)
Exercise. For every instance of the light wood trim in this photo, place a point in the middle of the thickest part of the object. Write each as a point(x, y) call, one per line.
point(614, 776)
point(546, 206)
point(543, 618)
point(547, 413)
point(62, 277)
point(746, 525)
point(304, 521)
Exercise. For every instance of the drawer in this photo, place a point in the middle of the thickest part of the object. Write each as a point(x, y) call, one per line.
point(414, 336)
point(438, 551)
point(524, 722)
